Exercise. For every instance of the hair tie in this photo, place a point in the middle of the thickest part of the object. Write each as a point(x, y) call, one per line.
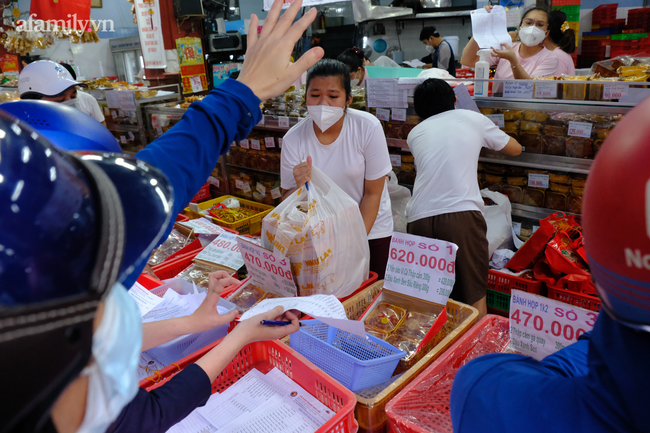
point(565, 27)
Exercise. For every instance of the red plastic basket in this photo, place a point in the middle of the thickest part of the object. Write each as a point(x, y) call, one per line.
point(182, 218)
point(149, 282)
point(171, 268)
point(505, 283)
point(423, 406)
point(264, 355)
point(574, 298)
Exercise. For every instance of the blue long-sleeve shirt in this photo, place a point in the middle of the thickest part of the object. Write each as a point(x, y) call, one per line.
point(187, 154)
point(598, 384)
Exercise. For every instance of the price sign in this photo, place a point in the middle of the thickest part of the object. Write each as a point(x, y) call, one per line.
point(244, 144)
point(111, 98)
point(383, 114)
point(107, 111)
point(280, 142)
point(203, 226)
point(275, 193)
point(283, 121)
point(538, 180)
point(223, 251)
point(197, 86)
point(261, 120)
point(131, 136)
point(546, 90)
point(214, 181)
point(239, 184)
point(497, 119)
point(540, 326)
point(159, 131)
point(120, 113)
point(122, 139)
point(396, 160)
point(614, 91)
point(114, 114)
point(126, 99)
point(246, 187)
point(421, 267)
point(580, 129)
point(255, 144)
point(269, 142)
point(399, 114)
point(518, 89)
point(268, 271)
point(516, 227)
point(260, 188)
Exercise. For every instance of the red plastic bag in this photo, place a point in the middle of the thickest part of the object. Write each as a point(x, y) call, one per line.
point(579, 283)
point(562, 257)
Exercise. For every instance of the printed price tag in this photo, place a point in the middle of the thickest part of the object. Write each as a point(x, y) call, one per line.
point(244, 144)
point(107, 111)
point(196, 84)
point(159, 130)
point(540, 326)
point(516, 227)
point(214, 181)
point(518, 89)
point(396, 160)
point(246, 187)
point(261, 120)
point(614, 91)
point(283, 121)
point(580, 129)
point(122, 139)
point(255, 144)
point(203, 226)
point(260, 188)
point(114, 114)
point(239, 184)
point(276, 193)
point(538, 180)
point(421, 267)
point(399, 114)
point(120, 113)
point(224, 251)
point(523, 148)
point(155, 122)
point(126, 99)
point(546, 90)
point(497, 119)
point(383, 114)
point(269, 142)
point(268, 271)
point(280, 142)
point(535, 228)
point(131, 136)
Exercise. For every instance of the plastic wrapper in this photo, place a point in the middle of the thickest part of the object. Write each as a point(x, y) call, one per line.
point(535, 116)
point(560, 178)
point(514, 193)
point(415, 326)
point(509, 115)
point(385, 317)
point(517, 181)
point(557, 130)
point(532, 143)
point(533, 127)
point(403, 343)
point(197, 274)
point(555, 200)
point(553, 145)
point(578, 147)
point(247, 297)
point(512, 126)
point(375, 333)
point(232, 215)
point(175, 241)
point(560, 187)
point(533, 197)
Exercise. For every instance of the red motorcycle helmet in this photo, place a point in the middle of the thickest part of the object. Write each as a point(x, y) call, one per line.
point(616, 219)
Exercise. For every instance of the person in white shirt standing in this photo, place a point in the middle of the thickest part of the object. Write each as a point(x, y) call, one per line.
point(446, 202)
point(349, 146)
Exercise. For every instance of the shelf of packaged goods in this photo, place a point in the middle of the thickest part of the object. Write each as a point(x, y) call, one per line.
point(118, 127)
point(538, 161)
point(533, 212)
point(272, 123)
point(578, 107)
point(397, 142)
point(251, 169)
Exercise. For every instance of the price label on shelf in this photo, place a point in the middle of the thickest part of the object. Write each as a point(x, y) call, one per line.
point(255, 144)
point(545, 90)
point(399, 114)
point(421, 267)
point(120, 113)
point(261, 120)
point(580, 129)
point(213, 181)
point(383, 114)
point(224, 251)
point(276, 193)
point(283, 121)
point(260, 188)
point(159, 131)
point(518, 89)
point(246, 187)
point(535, 228)
point(614, 91)
point(268, 271)
point(107, 111)
point(122, 139)
point(280, 142)
point(269, 142)
point(244, 144)
point(396, 160)
point(540, 326)
point(131, 136)
point(497, 119)
point(516, 227)
point(538, 180)
point(239, 184)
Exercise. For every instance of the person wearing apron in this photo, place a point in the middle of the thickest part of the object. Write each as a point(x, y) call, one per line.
point(441, 54)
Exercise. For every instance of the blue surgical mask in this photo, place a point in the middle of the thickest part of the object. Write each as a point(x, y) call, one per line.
point(112, 378)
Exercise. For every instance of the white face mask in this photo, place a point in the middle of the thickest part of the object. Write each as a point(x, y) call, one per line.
point(74, 103)
point(325, 116)
point(354, 82)
point(112, 378)
point(429, 48)
point(531, 35)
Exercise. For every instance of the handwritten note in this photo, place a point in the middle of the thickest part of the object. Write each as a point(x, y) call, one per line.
point(315, 305)
point(223, 251)
point(518, 89)
point(490, 29)
point(126, 99)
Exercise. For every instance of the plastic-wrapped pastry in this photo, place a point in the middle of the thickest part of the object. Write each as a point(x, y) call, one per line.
point(527, 126)
point(574, 91)
point(554, 145)
point(560, 178)
point(415, 325)
point(491, 186)
point(602, 133)
point(575, 204)
point(513, 170)
point(514, 193)
point(509, 115)
point(517, 181)
point(555, 200)
point(491, 178)
point(494, 169)
point(379, 334)
point(560, 131)
point(487, 111)
point(578, 182)
point(175, 241)
point(512, 126)
point(561, 188)
point(533, 197)
point(197, 274)
point(535, 116)
point(248, 297)
point(408, 346)
point(578, 147)
point(394, 129)
point(270, 295)
point(577, 191)
point(385, 317)
point(532, 143)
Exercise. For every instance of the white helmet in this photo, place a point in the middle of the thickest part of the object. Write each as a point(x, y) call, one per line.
point(46, 78)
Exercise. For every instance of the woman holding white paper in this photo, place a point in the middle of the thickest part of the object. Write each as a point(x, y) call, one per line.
point(526, 60)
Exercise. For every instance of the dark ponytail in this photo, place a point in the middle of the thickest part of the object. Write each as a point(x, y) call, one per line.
point(353, 59)
point(566, 39)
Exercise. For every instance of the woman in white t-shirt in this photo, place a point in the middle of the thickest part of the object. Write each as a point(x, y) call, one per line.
point(446, 202)
point(349, 147)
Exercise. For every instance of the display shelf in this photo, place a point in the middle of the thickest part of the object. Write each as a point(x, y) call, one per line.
point(122, 127)
point(532, 212)
point(397, 142)
point(251, 169)
point(538, 161)
point(272, 123)
point(450, 14)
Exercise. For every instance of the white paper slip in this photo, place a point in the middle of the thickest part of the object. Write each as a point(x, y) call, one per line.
point(383, 92)
point(202, 226)
point(194, 423)
point(148, 365)
point(415, 63)
point(223, 251)
point(146, 300)
point(490, 29)
point(327, 306)
point(171, 309)
point(276, 416)
point(464, 100)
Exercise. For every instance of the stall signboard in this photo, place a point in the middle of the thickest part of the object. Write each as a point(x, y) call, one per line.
point(541, 326)
point(305, 3)
point(150, 31)
point(191, 60)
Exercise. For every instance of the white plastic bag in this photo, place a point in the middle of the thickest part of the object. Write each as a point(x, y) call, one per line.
point(498, 219)
point(399, 197)
point(322, 232)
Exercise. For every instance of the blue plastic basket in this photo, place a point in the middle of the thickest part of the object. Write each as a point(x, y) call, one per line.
point(354, 361)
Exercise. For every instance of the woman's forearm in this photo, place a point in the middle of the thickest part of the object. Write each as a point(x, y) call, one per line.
point(156, 333)
point(369, 208)
point(520, 73)
point(469, 57)
point(220, 356)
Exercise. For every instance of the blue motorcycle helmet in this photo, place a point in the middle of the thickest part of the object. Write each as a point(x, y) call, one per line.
point(73, 226)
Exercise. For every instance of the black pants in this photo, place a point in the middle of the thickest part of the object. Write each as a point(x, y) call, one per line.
point(379, 251)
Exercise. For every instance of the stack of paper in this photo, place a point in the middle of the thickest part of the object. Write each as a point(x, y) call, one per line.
point(258, 403)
